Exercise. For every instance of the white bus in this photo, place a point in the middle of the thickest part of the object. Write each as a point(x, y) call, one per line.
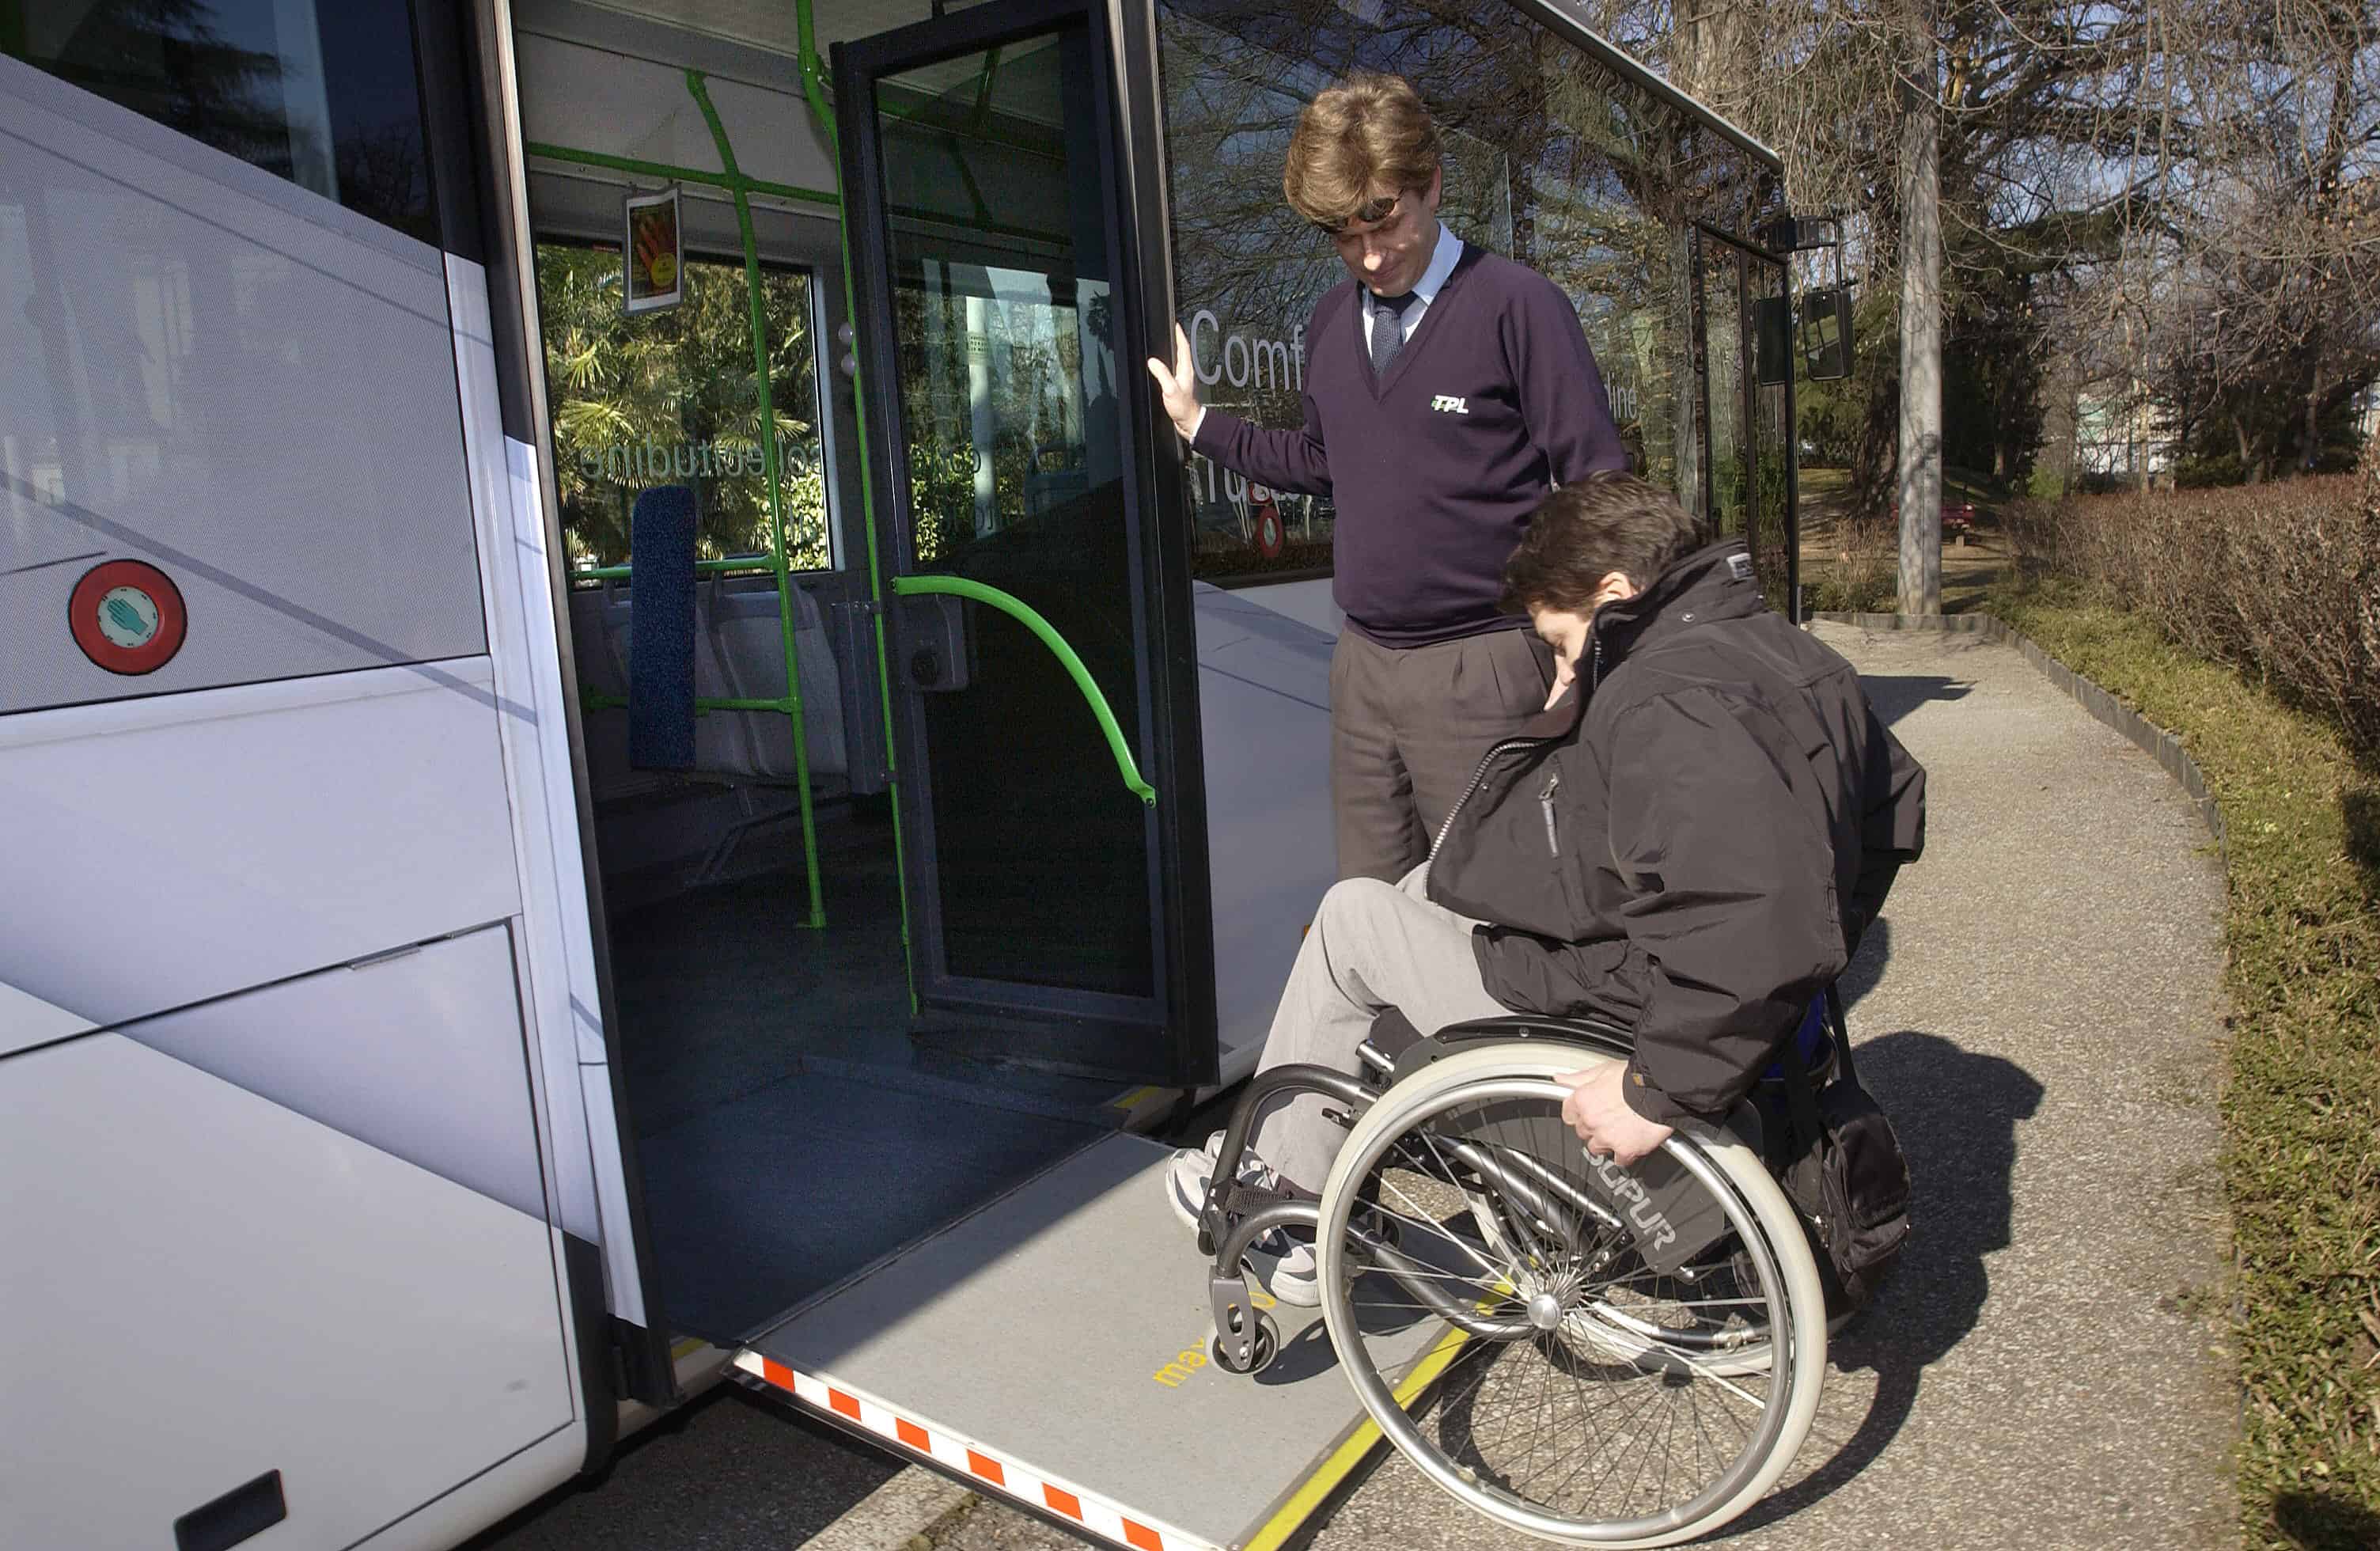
point(621, 760)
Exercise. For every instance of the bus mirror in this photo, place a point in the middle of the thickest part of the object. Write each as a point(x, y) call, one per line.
point(1772, 340)
point(1826, 332)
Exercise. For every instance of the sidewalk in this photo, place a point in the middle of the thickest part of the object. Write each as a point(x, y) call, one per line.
point(2038, 1011)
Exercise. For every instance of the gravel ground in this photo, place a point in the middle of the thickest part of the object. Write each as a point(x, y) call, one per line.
point(2040, 1012)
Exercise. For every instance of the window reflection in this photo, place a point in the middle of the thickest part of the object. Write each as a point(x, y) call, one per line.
point(322, 95)
point(669, 398)
point(1551, 158)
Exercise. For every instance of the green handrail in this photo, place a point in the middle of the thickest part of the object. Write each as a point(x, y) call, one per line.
point(738, 186)
point(1023, 613)
point(814, 87)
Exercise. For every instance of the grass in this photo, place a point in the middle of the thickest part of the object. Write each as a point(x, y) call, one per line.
point(2301, 1099)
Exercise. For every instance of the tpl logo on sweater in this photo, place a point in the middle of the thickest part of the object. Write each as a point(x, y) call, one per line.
point(1449, 406)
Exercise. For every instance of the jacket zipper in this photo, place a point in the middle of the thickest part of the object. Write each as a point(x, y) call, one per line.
point(1497, 752)
point(1546, 805)
point(1595, 678)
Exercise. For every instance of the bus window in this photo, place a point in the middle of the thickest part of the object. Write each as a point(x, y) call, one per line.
point(1552, 157)
point(667, 398)
point(231, 449)
point(321, 94)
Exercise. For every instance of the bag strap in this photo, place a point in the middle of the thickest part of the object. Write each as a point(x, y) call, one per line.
point(1801, 1102)
point(1842, 1034)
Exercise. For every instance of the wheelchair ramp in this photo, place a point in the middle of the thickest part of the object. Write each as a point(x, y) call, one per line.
point(1050, 1350)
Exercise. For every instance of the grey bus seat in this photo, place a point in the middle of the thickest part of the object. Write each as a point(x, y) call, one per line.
point(747, 645)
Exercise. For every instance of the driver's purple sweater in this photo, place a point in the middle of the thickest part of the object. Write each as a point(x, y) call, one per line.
point(1435, 472)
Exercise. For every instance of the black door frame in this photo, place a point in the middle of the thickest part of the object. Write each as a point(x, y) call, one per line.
point(1167, 743)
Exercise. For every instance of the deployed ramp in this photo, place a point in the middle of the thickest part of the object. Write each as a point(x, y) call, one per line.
point(1050, 1349)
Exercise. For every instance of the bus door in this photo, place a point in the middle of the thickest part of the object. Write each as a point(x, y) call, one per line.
point(1050, 1346)
point(1747, 383)
point(1033, 564)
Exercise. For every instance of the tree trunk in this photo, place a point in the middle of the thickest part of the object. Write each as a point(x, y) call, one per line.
point(1921, 338)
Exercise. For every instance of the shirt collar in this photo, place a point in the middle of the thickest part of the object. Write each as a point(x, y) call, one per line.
point(1443, 259)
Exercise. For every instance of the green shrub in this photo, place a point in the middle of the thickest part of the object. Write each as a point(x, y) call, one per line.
point(2281, 581)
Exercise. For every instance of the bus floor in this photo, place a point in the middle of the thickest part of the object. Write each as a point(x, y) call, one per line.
point(791, 1127)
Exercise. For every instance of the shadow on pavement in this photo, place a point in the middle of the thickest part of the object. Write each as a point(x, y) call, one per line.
point(1957, 1115)
point(1894, 695)
point(2321, 1521)
point(1860, 975)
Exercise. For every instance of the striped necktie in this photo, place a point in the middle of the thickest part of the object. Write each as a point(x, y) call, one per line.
point(1387, 330)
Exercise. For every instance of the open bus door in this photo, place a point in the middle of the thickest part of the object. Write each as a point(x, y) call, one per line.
point(1034, 566)
point(1001, 184)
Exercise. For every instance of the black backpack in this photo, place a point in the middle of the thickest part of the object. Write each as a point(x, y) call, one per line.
point(1842, 1168)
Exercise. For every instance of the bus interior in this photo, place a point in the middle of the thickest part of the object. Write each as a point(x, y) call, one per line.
point(795, 1114)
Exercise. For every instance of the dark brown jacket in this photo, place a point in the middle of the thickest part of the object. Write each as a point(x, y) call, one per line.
point(1691, 841)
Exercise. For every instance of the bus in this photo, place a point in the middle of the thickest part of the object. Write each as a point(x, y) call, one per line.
point(629, 754)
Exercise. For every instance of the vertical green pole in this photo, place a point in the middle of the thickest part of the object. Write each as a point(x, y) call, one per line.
point(814, 88)
point(768, 463)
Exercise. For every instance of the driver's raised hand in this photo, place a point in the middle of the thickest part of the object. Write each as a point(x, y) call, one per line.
point(1179, 385)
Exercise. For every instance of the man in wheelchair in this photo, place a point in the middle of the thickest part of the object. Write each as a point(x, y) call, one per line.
point(1688, 841)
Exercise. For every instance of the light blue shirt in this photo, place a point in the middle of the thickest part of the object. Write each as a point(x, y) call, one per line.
point(1443, 259)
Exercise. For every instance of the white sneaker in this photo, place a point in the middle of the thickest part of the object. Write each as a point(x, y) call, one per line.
point(1283, 1265)
point(1289, 1276)
point(1187, 1176)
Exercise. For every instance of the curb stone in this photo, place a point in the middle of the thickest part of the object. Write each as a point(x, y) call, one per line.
point(909, 1510)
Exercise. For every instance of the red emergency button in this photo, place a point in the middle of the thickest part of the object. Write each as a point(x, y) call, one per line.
point(128, 616)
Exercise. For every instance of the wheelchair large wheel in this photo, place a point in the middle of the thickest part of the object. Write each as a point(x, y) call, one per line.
point(1571, 1381)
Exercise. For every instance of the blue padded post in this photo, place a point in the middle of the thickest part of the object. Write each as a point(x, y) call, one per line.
point(660, 635)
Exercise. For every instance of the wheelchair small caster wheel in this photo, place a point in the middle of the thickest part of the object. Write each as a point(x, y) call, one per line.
point(1263, 1346)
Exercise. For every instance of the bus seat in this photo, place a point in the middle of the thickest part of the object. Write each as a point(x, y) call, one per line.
point(662, 647)
point(600, 621)
point(750, 648)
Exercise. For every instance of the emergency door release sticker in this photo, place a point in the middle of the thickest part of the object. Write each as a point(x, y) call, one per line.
point(128, 616)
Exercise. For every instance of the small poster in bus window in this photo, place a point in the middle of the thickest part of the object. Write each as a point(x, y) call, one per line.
point(656, 253)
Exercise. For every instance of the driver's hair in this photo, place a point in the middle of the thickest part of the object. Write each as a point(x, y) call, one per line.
point(1368, 130)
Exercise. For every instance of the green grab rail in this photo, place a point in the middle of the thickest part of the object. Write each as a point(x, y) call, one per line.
point(675, 174)
point(1023, 613)
point(744, 562)
point(738, 186)
point(814, 88)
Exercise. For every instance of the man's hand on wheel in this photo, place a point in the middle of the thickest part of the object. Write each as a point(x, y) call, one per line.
point(1602, 1118)
point(1179, 384)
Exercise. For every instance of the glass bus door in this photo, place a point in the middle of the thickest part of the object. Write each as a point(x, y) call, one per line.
point(1747, 404)
point(1038, 619)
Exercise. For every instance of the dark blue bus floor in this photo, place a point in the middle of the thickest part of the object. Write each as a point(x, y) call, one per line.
point(792, 1122)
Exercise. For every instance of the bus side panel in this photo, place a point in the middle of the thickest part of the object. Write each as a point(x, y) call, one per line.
point(163, 851)
point(208, 1286)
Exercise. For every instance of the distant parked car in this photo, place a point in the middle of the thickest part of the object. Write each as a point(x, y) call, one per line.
point(1957, 520)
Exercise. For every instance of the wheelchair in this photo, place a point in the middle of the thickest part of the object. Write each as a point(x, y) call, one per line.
point(1608, 1357)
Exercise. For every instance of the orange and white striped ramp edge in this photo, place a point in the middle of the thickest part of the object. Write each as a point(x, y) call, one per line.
point(1001, 1473)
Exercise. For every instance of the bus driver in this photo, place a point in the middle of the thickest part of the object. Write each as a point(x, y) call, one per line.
point(1446, 390)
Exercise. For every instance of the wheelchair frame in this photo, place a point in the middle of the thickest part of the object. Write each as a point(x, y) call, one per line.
point(1244, 1341)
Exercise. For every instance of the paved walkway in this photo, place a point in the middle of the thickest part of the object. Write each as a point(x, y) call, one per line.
point(2038, 1011)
